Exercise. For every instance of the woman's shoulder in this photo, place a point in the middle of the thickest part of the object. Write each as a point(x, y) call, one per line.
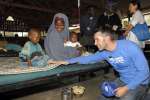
point(126, 44)
point(138, 12)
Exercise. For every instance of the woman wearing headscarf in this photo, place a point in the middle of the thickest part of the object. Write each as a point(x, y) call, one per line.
point(58, 33)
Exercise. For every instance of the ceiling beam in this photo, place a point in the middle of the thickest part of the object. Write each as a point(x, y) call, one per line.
point(90, 2)
point(145, 8)
point(27, 7)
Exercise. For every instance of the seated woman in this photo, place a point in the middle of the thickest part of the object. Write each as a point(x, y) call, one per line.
point(32, 53)
point(58, 34)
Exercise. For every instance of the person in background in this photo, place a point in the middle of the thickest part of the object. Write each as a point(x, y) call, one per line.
point(73, 41)
point(88, 24)
point(32, 54)
point(129, 62)
point(6, 46)
point(3, 43)
point(58, 34)
point(109, 18)
point(1, 35)
point(137, 18)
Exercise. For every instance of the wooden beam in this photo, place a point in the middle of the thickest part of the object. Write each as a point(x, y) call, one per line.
point(30, 18)
point(145, 8)
point(90, 2)
point(27, 7)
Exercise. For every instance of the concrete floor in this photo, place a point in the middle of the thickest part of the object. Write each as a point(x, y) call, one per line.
point(91, 93)
point(91, 86)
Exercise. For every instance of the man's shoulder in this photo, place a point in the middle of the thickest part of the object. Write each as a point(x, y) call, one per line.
point(126, 43)
point(129, 45)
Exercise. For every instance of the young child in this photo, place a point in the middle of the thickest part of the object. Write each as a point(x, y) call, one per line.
point(32, 53)
point(73, 41)
point(74, 48)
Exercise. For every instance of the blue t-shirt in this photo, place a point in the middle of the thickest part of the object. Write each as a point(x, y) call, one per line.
point(30, 48)
point(127, 58)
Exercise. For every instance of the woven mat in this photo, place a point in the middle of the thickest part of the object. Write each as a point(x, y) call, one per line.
point(10, 65)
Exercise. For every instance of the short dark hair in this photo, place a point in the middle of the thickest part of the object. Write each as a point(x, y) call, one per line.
point(74, 33)
point(106, 30)
point(135, 2)
point(91, 6)
point(35, 29)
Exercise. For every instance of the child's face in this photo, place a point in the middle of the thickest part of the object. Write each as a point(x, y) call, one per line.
point(59, 25)
point(34, 37)
point(74, 38)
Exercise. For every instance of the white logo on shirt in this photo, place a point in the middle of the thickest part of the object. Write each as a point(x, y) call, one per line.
point(117, 60)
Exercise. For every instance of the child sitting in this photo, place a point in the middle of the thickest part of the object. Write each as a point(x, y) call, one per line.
point(32, 53)
point(73, 41)
point(74, 48)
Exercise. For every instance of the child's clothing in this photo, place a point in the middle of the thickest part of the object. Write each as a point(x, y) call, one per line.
point(71, 52)
point(72, 44)
point(71, 49)
point(33, 52)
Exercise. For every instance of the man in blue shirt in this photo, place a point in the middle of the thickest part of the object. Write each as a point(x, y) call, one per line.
point(125, 57)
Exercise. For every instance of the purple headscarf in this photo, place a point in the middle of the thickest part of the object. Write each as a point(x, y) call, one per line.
point(54, 42)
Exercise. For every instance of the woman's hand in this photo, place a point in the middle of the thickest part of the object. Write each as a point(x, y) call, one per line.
point(29, 63)
point(58, 62)
point(65, 40)
point(126, 33)
point(128, 29)
point(121, 91)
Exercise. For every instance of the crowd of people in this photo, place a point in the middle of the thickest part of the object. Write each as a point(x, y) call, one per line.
point(126, 56)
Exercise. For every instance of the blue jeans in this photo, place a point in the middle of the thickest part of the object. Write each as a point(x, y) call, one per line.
point(135, 94)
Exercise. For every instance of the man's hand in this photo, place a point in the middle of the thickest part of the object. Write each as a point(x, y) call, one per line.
point(58, 62)
point(121, 91)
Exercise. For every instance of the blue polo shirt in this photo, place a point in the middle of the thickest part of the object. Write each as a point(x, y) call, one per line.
point(127, 58)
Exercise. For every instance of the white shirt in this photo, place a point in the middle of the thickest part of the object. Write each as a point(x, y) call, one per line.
point(72, 44)
point(137, 18)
